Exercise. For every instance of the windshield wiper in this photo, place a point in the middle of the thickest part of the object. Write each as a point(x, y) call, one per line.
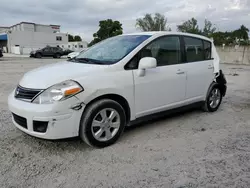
point(89, 60)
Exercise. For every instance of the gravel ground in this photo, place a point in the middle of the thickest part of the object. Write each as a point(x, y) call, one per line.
point(191, 149)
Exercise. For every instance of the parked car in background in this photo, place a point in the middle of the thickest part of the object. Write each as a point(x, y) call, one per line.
point(116, 82)
point(48, 51)
point(67, 51)
point(74, 54)
point(1, 52)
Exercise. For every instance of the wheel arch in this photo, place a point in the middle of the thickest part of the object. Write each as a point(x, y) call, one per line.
point(222, 87)
point(117, 98)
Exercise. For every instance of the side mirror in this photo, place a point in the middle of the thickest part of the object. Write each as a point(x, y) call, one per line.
point(146, 63)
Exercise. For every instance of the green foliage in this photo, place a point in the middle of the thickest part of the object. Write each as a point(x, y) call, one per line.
point(238, 36)
point(189, 26)
point(107, 28)
point(70, 38)
point(77, 38)
point(156, 23)
point(208, 29)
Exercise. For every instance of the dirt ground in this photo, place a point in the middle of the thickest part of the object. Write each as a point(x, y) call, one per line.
point(192, 149)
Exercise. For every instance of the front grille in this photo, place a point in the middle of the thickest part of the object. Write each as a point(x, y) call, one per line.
point(20, 120)
point(26, 94)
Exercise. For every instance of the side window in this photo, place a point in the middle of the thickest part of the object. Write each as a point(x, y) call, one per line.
point(133, 63)
point(58, 38)
point(166, 50)
point(194, 49)
point(47, 49)
point(207, 50)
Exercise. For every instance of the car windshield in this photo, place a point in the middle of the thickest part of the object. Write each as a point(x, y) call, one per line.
point(111, 50)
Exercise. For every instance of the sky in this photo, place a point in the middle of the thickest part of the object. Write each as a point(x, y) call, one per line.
point(82, 16)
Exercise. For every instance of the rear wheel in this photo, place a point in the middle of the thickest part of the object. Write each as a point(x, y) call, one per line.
point(102, 123)
point(213, 100)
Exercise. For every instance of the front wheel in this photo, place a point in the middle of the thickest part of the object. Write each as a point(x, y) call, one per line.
point(213, 100)
point(102, 123)
point(57, 55)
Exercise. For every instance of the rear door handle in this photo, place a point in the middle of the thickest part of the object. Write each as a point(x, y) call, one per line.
point(210, 67)
point(180, 72)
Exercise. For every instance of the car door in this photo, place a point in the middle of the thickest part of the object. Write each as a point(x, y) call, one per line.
point(199, 67)
point(47, 51)
point(162, 87)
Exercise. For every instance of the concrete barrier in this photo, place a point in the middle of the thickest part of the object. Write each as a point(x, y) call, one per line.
point(234, 55)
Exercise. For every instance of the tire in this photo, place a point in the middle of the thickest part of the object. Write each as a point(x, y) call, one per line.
point(38, 55)
point(57, 55)
point(210, 106)
point(96, 134)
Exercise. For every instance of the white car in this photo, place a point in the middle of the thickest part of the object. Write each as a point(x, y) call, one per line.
point(74, 54)
point(117, 81)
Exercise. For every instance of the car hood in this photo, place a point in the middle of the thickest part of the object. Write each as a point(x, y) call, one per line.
point(46, 76)
point(74, 53)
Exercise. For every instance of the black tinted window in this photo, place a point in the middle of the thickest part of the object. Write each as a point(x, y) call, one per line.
point(166, 50)
point(59, 38)
point(194, 49)
point(207, 50)
point(47, 49)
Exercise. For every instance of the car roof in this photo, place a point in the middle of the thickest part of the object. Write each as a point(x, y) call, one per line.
point(162, 33)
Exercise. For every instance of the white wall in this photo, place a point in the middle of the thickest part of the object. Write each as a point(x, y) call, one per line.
point(15, 50)
point(75, 46)
point(43, 28)
point(28, 27)
point(34, 40)
point(234, 55)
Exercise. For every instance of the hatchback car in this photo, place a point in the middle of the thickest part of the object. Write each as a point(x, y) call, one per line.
point(116, 82)
point(48, 51)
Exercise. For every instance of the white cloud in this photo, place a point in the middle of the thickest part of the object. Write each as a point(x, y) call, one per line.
point(82, 16)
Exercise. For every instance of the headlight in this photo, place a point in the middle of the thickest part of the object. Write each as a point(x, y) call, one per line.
point(58, 92)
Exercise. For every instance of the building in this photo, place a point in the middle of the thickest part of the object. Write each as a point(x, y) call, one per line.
point(26, 36)
point(75, 46)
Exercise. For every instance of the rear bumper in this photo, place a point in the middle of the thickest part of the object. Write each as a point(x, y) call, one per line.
point(221, 80)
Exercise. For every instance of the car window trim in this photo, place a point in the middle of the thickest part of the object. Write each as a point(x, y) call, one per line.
point(210, 50)
point(202, 40)
point(172, 35)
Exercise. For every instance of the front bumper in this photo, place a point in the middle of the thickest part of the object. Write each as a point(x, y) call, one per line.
point(63, 121)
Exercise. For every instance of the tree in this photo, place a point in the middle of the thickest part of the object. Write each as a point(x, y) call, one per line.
point(190, 26)
point(77, 38)
point(107, 28)
point(241, 33)
point(208, 29)
point(238, 36)
point(156, 23)
point(70, 38)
